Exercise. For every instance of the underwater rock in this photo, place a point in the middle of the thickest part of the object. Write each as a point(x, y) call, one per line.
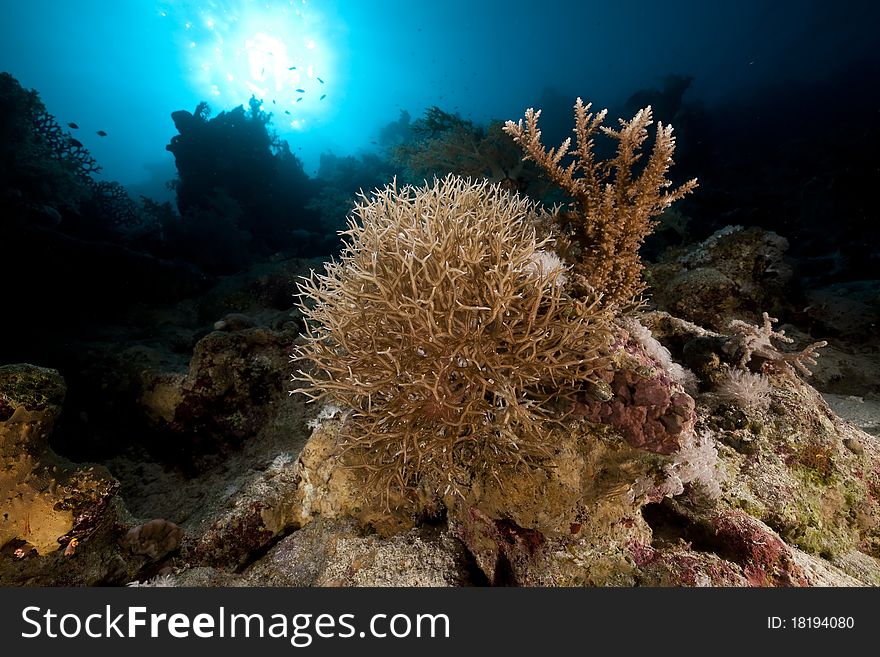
point(46, 500)
point(765, 559)
point(680, 565)
point(45, 215)
point(58, 519)
point(701, 295)
point(153, 539)
point(733, 274)
point(803, 480)
point(581, 502)
point(263, 293)
point(233, 322)
point(232, 505)
point(847, 314)
point(337, 553)
point(850, 309)
point(791, 462)
point(568, 525)
point(264, 508)
point(326, 488)
point(234, 379)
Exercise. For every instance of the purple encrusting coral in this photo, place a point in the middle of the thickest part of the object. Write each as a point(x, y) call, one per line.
point(650, 409)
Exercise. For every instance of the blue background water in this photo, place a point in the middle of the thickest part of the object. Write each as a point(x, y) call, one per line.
point(123, 67)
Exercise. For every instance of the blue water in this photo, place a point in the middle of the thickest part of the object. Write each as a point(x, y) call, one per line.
point(123, 67)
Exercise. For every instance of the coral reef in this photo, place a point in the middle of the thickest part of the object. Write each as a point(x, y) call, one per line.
point(494, 408)
point(447, 333)
point(747, 499)
point(441, 143)
point(48, 174)
point(794, 499)
point(41, 163)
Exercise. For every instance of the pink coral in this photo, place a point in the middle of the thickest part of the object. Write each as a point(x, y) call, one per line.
point(649, 408)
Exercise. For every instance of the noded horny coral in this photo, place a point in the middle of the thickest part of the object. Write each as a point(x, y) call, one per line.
point(447, 332)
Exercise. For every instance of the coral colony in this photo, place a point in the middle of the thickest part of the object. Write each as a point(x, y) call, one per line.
point(447, 333)
point(461, 357)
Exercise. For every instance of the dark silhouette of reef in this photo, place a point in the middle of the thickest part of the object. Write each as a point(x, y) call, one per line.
point(66, 239)
point(81, 249)
point(339, 180)
point(440, 143)
point(239, 183)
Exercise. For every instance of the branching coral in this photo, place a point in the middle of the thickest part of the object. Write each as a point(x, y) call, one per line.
point(43, 162)
point(112, 202)
point(614, 201)
point(748, 341)
point(444, 143)
point(57, 143)
point(447, 333)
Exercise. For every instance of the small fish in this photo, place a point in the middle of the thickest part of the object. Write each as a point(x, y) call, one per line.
point(75, 142)
point(323, 97)
point(101, 133)
point(299, 99)
point(320, 80)
point(273, 101)
point(287, 111)
point(292, 68)
point(301, 91)
point(70, 550)
point(73, 125)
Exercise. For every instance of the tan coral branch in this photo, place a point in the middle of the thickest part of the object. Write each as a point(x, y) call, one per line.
point(614, 201)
